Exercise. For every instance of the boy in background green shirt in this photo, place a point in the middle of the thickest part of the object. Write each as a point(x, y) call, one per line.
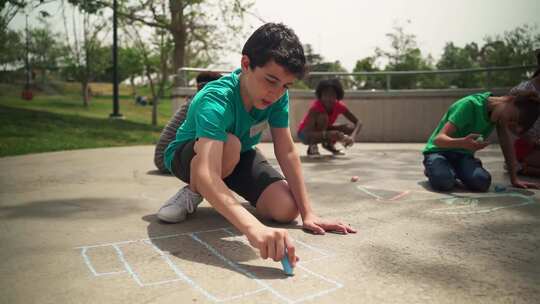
point(214, 153)
point(463, 130)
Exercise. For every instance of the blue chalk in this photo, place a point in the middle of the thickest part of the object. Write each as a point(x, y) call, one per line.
point(500, 188)
point(287, 266)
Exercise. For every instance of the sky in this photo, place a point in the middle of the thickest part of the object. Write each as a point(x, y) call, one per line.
point(349, 30)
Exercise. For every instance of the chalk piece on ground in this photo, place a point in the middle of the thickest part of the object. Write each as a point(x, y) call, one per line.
point(287, 266)
point(500, 188)
point(354, 178)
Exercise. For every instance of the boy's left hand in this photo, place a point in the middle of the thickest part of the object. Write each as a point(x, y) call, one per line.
point(525, 185)
point(318, 225)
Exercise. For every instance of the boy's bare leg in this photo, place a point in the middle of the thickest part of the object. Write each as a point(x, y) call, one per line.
point(345, 128)
point(314, 130)
point(277, 203)
point(533, 164)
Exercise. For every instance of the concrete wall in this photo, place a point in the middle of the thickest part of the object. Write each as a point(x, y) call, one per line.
point(395, 116)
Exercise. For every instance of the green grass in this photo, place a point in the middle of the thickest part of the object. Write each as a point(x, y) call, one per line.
point(60, 122)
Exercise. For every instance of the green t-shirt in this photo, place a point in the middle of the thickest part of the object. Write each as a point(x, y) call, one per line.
point(218, 109)
point(468, 115)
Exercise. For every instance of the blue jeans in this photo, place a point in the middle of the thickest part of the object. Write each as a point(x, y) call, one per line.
point(442, 169)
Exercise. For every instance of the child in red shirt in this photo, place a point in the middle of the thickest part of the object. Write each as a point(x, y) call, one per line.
point(318, 126)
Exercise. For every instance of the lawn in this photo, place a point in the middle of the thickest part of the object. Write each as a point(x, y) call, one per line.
point(53, 122)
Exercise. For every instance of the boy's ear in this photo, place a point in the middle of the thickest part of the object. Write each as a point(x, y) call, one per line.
point(244, 63)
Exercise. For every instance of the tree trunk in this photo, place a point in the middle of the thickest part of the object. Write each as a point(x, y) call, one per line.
point(133, 89)
point(85, 94)
point(178, 31)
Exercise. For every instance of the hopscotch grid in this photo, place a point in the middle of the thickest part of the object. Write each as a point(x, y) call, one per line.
point(186, 278)
point(181, 274)
point(325, 255)
point(322, 292)
point(183, 277)
point(147, 239)
point(126, 265)
point(238, 268)
point(92, 269)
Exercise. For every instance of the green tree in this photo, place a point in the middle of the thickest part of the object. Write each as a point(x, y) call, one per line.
point(404, 55)
point(454, 57)
point(200, 29)
point(155, 63)
point(514, 47)
point(368, 82)
point(85, 56)
point(45, 49)
point(130, 65)
point(11, 46)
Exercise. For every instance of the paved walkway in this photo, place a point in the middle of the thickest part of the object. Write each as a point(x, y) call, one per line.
point(80, 227)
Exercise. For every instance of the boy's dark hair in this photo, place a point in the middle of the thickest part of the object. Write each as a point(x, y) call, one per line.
point(528, 104)
point(205, 77)
point(333, 84)
point(278, 42)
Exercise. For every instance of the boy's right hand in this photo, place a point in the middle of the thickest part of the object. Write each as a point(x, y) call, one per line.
point(272, 243)
point(470, 142)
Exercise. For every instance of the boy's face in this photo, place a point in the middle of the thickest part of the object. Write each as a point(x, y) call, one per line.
point(509, 116)
point(266, 84)
point(328, 98)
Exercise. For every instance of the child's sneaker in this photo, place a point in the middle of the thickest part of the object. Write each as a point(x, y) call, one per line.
point(331, 148)
point(313, 151)
point(177, 207)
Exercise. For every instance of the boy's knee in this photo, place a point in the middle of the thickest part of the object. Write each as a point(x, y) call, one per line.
point(286, 215)
point(442, 180)
point(479, 182)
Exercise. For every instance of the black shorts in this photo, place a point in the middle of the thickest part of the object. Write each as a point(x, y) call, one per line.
point(249, 179)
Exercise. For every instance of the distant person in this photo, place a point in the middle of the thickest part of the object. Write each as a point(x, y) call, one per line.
point(169, 132)
point(214, 150)
point(527, 147)
point(318, 125)
point(463, 130)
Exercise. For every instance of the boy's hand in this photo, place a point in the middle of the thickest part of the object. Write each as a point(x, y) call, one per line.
point(470, 142)
point(318, 225)
point(347, 141)
point(525, 185)
point(271, 243)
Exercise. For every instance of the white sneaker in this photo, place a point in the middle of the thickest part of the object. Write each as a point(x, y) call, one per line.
point(177, 207)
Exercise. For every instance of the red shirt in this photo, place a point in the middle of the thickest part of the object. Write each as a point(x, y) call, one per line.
point(317, 106)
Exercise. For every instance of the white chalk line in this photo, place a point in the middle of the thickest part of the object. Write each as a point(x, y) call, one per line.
point(147, 239)
point(528, 201)
point(182, 275)
point(126, 265)
point(369, 192)
point(92, 269)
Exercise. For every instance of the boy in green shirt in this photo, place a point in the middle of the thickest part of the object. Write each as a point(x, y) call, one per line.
point(214, 147)
point(449, 152)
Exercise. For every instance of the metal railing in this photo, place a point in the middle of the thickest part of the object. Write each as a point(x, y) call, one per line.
point(183, 73)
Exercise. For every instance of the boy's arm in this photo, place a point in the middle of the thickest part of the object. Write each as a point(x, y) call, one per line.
point(351, 117)
point(444, 139)
point(206, 173)
point(510, 158)
point(289, 162)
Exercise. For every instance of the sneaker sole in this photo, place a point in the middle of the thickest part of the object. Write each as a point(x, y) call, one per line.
point(169, 220)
